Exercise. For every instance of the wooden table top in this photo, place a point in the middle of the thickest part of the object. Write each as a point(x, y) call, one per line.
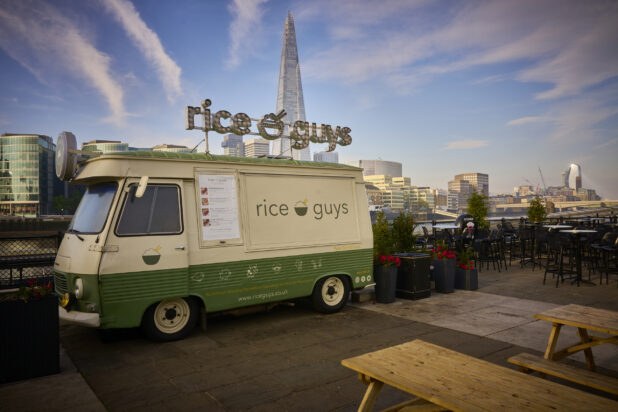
point(463, 383)
point(600, 320)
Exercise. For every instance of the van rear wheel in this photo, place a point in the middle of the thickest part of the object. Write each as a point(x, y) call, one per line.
point(170, 319)
point(330, 294)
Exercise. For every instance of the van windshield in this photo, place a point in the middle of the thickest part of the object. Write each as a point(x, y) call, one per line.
point(93, 208)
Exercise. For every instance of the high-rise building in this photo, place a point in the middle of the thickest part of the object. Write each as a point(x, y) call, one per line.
point(256, 148)
point(233, 145)
point(378, 167)
point(105, 146)
point(480, 181)
point(290, 91)
point(459, 192)
point(327, 157)
point(171, 148)
point(27, 175)
point(395, 190)
point(573, 176)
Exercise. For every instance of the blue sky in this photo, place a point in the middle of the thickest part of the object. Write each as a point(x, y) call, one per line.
point(445, 87)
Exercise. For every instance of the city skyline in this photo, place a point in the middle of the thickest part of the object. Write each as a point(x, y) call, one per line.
point(444, 87)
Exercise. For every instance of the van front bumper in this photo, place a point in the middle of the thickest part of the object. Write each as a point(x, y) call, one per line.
point(80, 318)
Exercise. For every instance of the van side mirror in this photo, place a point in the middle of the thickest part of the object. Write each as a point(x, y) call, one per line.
point(141, 187)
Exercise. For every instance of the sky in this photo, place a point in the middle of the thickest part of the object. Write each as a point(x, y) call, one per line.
point(442, 86)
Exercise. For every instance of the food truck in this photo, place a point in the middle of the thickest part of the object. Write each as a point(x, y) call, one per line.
point(160, 238)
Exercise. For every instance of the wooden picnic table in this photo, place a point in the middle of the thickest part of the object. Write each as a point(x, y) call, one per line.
point(452, 380)
point(585, 319)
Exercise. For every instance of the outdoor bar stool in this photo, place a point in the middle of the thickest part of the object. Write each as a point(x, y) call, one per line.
point(540, 246)
point(559, 247)
point(610, 260)
point(526, 243)
point(598, 253)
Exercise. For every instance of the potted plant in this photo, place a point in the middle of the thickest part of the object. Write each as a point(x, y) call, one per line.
point(413, 275)
point(443, 268)
point(384, 263)
point(29, 341)
point(466, 274)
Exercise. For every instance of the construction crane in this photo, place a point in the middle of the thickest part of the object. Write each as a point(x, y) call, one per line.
point(543, 180)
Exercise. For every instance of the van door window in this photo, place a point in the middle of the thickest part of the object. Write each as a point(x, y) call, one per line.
point(157, 212)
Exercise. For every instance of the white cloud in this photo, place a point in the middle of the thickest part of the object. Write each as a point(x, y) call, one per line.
point(465, 144)
point(528, 120)
point(247, 18)
point(149, 44)
point(42, 40)
point(568, 44)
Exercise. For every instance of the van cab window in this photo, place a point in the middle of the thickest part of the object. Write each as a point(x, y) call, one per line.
point(93, 209)
point(156, 212)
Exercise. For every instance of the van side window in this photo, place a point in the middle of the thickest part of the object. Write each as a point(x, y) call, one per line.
point(156, 212)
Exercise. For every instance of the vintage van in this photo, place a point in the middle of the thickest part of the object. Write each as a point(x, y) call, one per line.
point(160, 238)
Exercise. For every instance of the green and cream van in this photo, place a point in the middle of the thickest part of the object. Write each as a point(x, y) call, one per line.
point(160, 238)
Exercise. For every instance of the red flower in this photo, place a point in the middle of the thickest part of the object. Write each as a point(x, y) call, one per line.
point(382, 259)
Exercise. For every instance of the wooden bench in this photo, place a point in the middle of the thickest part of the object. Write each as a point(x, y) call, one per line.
point(528, 363)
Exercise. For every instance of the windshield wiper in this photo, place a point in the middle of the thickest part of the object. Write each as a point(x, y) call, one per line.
point(77, 232)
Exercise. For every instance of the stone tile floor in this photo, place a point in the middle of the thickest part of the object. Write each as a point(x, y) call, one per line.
point(289, 358)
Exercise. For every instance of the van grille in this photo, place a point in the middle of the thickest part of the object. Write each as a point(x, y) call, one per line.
point(60, 281)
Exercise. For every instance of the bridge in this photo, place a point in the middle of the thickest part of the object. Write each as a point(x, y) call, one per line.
point(564, 205)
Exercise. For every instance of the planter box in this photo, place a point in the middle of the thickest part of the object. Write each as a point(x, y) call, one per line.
point(386, 282)
point(444, 275)
point(467, 279)
point(413, 276)
point(29, 341)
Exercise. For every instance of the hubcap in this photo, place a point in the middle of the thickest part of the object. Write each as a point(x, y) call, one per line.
point(332, 291)
point(171, 315)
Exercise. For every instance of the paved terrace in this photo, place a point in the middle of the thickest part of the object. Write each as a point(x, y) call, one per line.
point(289, 358)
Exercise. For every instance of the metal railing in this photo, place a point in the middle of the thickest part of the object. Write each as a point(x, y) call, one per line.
point(23, 257)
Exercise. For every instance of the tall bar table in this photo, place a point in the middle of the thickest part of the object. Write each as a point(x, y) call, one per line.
point(577, 234)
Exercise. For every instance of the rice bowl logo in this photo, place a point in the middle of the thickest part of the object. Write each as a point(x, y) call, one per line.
point(301, 207)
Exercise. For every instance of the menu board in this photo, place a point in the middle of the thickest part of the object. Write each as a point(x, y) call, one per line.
point(218, 207)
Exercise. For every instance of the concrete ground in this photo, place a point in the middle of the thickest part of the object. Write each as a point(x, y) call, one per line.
point(289, 358)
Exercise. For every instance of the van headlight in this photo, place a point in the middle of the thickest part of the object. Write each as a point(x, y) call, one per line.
point(79, 288)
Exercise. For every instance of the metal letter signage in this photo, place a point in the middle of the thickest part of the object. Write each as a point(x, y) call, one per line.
point(270, 126)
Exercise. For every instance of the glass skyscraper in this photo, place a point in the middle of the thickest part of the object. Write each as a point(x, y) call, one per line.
point(290, 91)
point(27, 176)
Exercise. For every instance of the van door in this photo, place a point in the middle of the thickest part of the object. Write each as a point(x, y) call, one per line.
point(145, 257)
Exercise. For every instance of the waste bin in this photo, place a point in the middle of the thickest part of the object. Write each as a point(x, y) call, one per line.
point(386, 282)
point(413, 276)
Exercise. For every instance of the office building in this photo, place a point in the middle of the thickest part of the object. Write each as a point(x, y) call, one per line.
point(326, 157)
point(374, 195)
point(573, 177)
point(378, 167)
point(421, 198)
point(395, 195)
point(233, 145)
point(459, 192)
point(480, 181)
point(290, 92)
point(256, 148)
point(27, 174)
point(171, 148)
point(105, 146)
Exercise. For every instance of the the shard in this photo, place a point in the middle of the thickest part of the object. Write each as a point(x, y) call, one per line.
point(290, 91)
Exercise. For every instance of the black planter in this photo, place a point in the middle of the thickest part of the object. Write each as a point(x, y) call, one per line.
point(467, 279)
point(386, 282)
point(413, 276)
point(444, 275)
point(29, 341)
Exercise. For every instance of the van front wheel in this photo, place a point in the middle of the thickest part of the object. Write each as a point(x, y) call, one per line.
point(170, 319)
point(330, 294)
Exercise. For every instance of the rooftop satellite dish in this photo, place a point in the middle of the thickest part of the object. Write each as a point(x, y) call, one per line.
point(66, 156)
